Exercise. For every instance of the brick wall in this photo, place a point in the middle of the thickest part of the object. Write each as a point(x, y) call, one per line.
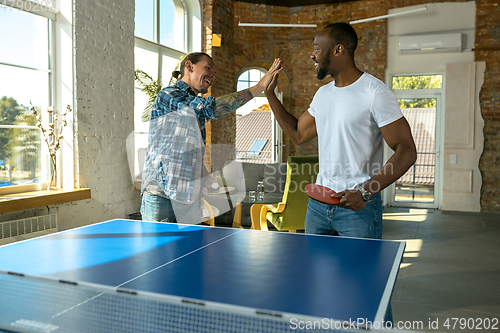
point(294, 46)
point(217, 18)
point(488, 50)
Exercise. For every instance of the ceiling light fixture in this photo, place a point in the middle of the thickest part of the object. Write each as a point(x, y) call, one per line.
point(389, 15)
point(277, 25)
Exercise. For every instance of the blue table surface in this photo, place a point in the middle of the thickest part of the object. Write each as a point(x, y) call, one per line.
point(320, 276)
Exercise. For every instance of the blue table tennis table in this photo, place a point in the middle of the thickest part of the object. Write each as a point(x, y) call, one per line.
point(136, 276)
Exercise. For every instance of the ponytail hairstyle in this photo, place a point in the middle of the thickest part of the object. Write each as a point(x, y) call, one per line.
point(194, 58)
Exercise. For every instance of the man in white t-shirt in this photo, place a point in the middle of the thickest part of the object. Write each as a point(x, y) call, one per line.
point(351, 116)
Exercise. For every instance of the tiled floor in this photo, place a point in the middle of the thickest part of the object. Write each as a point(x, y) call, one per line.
point(451, 269)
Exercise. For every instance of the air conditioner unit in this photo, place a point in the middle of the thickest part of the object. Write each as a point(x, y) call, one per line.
point(438, 43)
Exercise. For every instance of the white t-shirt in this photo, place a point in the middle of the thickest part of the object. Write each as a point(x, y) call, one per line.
point(348, 121)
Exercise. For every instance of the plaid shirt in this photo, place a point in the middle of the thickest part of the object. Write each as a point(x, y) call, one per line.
point(175, 97)
point(177, 136)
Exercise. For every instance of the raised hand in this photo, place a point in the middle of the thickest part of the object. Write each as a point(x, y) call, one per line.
point(272, 85)
point(271, 73)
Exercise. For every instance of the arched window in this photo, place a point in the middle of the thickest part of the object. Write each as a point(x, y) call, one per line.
point(257, 133)
point(246, 80)
point(249, 78)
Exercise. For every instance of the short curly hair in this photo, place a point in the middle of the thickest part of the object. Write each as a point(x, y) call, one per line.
point(343, 33)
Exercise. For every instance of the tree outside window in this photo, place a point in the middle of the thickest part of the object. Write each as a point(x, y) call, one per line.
point(414, 82)
point(25, 76)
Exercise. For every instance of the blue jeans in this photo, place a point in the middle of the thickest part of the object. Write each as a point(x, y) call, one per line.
point(160, 209)
point(326, 219)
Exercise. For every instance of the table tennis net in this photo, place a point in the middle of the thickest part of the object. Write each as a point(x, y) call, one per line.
point(35, 304)
point(40, 304)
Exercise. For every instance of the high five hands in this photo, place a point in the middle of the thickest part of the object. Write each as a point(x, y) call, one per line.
point(271, 75)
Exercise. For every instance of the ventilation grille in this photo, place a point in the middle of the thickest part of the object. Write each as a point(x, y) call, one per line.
point(28, 226)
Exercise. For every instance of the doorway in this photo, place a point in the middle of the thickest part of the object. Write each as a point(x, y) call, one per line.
point(419, 98)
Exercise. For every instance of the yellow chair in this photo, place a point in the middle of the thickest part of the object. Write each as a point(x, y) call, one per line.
point(290, 213)
point(210, 219)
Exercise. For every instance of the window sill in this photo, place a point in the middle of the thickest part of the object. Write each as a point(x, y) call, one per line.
point(34, 199)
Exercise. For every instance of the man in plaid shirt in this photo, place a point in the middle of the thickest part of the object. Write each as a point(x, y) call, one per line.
point(173, 171)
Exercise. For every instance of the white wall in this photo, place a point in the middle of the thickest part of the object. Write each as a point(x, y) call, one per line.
point(464, 138)
point(438, 18)
point(460, 183)
point(101, 80)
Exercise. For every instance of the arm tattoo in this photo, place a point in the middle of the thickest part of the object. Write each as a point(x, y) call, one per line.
point(231, 102)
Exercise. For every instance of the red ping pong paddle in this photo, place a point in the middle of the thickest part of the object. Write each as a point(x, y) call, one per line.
point(321, 193)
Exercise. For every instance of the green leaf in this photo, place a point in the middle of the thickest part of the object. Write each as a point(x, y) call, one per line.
point(150, 87)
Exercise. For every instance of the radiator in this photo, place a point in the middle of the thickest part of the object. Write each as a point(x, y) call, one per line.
point(27, 228)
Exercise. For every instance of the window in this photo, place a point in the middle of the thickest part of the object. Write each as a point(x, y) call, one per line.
point(25, 80)
point(417, 82)
point(256, 147)
point(165, 31)
point(170, 29)
point(249, 79)
point(252, 123)
point(144, 19)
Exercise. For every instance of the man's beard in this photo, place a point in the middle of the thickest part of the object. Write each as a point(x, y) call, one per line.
point(322, 73)
point(322, 68)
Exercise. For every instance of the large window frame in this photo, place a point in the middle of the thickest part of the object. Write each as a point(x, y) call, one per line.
point(166, 58)
point(192, 35)
point(49, 12)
